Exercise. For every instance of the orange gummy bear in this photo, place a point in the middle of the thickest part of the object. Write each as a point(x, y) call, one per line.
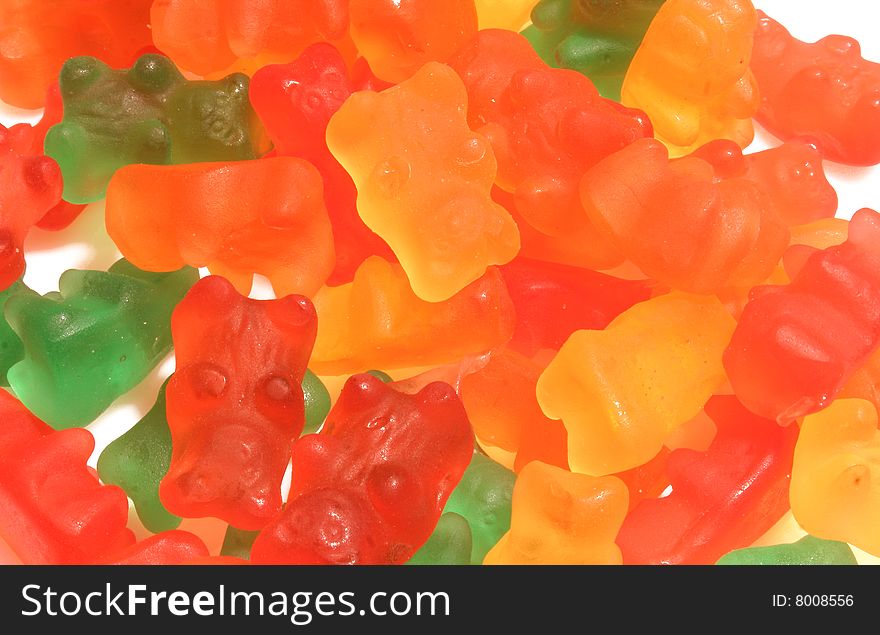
point(558, 517)
point(216, 37)
point(691, 73)
point(397, 37)
point(376, 321)
point(621, 391)
point(239, 218)
point(500, 402)
point(424, 180)
point(37, 37)
point(680, 223)
point(835, 480)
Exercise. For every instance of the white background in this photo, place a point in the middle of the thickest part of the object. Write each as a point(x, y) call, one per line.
point(85, 245)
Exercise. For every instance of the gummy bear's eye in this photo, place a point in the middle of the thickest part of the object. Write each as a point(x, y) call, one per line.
point(277, 388)
point(391, 175)
point(471, 152)
point(208, 380)
point(152, 73)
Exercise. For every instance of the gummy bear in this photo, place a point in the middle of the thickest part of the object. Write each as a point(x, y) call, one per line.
point(11, 349)
point(36, 38)
point(92, 341)
point(691, 73)
point(503, 14)
point(834, 481)
point(209, 37)
point(449, 543)
point(809, 550)
point(681, 223)
point(235, 402)
point(721, 499)
point(370, 488)
point(547, 126)
point(28, 141)
point(552, 301)
point(295, 102)
point(826, 90)
point(621, 391)
point(237, 219)
point(424, 180)
point(595, 37)
point(53, 509)
point(146, 114)
point(169, 547)
point(482, 498)
point(30, 186)
point(504, 412)
point(137, 461)
point(377, 321)
point(562, 518)
point(397, 37)
point(796, 345)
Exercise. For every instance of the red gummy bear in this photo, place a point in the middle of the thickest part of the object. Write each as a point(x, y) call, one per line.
point(169, 547)
point(235, 404)
point(295, 102)
point(796, 345)
point(547, 126)
point(825, 89)
point(722, 499)
point(370, 487)
point(26, 140)
point(53, 509)
point(552, 301)
point(30, 186)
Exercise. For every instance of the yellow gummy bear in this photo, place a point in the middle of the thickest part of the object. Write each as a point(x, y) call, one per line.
point(558, 517)
point(621, 391)
point(691, 73)
point(835, 479)
point(504, 14)
point(423, 179)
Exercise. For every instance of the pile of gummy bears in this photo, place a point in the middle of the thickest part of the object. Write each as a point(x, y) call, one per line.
point(534, 304)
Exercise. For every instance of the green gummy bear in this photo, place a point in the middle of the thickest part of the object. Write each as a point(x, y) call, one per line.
point(146, 114)
point(482, 497)
point(317, 401)
point(11, 348)
point(238, 542)
point(809, 550)
point(450, 543)
point(92, 341)
point(597, 38)
point(137, 461)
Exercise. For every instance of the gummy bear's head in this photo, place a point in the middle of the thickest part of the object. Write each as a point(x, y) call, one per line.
point(230, 467)
point(328, 525)
point(296, 100)
point(410, 450)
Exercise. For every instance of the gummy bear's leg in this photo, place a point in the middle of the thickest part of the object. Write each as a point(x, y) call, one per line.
point(241, 280)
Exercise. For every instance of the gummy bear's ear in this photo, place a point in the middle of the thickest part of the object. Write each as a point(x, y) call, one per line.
point(211, 297)
point(296, 315)
point(842, 46)
point(153, 74)
point(237, 86)
point(78, 73)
